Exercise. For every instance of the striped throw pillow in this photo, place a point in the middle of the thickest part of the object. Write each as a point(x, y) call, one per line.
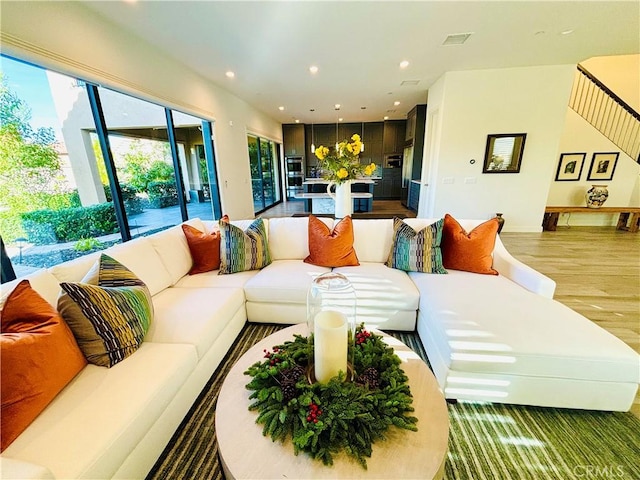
point(119, 316)
point(413, 251)
point(243, 250)
point(109, 312)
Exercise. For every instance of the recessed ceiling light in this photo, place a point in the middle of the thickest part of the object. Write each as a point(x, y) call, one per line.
point(566, 32)
point(230, 74)
point(313, 69)
point(337, 106)
point(396, 103)
point(456, 39)
point(340, 119)
point(386, 117)
point(281, 108)
point(404, 64)
point(297, 120)
point(363, 108)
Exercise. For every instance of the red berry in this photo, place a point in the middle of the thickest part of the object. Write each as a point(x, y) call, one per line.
point(315, 420)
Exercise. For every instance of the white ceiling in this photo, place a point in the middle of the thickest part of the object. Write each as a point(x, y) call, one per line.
point(358, 46)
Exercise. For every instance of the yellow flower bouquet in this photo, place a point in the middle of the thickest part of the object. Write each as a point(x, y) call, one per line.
point(344, 163)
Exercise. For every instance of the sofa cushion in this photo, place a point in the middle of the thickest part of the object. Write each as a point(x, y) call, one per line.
point(243, 250)
point(289, 237)
point(372, 239)
point(194, 316)
point(489, 324)
point(212, 279)
point(173, 250)
point(413, 251)
point(329, 248)
point(38, 357)
point(141, 258)
point(284, 281)
point(42, 281)
point(102, 415)
point(381, 292)
point(74, 270)
point(469, 252)
point(204, 249)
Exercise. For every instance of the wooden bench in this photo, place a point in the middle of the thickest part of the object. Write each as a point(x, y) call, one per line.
point(551, 215)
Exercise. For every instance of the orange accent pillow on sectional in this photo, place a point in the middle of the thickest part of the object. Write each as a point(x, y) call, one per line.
point(204, 248)
point(469, 252)
point(331, 249)
point(39, 356)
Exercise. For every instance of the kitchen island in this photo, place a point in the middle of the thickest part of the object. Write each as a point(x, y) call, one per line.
point(317, 200)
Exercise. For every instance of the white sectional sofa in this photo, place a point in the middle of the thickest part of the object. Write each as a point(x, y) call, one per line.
point(497, 338)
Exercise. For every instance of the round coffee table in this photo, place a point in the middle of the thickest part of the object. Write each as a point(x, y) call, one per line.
point(246, 454)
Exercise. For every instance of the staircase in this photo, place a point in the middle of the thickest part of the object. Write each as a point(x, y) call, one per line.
point(608, 113)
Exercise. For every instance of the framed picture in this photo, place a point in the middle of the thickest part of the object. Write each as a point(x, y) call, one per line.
point(504, 153)
point(570, 167)
point(603, 165)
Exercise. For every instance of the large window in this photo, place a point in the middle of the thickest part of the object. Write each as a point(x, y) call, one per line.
point(83, 167)
point(265, 172)
point(53, 205)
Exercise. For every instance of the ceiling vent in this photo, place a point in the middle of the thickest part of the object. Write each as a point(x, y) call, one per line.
point(456, 39)
point(408, 83)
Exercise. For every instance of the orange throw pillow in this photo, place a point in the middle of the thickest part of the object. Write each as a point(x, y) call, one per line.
point(331, 249)
point(204, 248)
point(469, 252)
point(38, 357)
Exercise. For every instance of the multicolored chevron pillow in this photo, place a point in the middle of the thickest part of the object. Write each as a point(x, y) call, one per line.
point(413, 251)
point(243, 250)
point(109, 312)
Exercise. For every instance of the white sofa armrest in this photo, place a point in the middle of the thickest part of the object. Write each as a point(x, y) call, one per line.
point(520, 273)
point(11, 468)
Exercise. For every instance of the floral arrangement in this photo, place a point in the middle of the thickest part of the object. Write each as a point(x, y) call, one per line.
point(339, 416)
point(344, 164)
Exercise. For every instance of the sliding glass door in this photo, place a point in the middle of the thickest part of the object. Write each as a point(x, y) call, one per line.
point(265, 172)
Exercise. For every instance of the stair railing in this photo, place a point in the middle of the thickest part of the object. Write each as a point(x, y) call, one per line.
point(607, 112)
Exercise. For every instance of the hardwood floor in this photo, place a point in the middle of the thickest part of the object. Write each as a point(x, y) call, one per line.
point(597, 272)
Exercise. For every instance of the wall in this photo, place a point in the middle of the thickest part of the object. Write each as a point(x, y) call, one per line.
point(473, 104)
point(579, 136)
point(69, 38)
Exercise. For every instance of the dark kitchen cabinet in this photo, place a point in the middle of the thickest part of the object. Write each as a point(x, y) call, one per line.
point(391, 184)
point(393, 136)
point(372, 143)
point(293, 139)
point(414, 135)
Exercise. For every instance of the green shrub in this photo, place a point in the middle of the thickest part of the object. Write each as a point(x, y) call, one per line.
point(87, 244)
point(11, 226)
point(69, 224)
point(163, 194)
point(132, 202)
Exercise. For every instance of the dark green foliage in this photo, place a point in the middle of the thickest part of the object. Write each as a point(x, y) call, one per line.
point(132, 202)
point(69, 224)
point(163, 194)
point(323, 420)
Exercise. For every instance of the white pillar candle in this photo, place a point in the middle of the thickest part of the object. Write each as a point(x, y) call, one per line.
point(330, 344)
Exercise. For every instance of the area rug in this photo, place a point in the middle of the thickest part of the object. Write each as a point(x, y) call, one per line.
point(486, 441)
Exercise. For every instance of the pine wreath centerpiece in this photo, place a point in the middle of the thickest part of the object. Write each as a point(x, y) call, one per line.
point(339, 416)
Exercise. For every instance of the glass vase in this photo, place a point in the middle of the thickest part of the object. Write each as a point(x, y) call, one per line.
point(331, 318)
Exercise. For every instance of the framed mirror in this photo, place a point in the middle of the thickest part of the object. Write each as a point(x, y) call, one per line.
point(504, 153)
